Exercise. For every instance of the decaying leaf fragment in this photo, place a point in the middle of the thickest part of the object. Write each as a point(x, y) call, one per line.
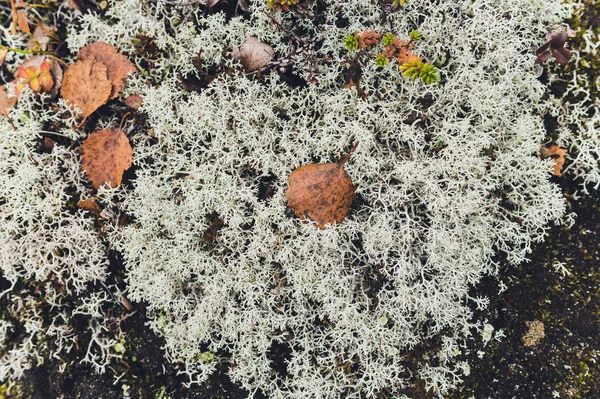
point(86, 85)
point(91, 206)
point(117, 65)
point(558, 154)
point(320, 192)
point(106, 155)
point(6, 102)
point(253, 54)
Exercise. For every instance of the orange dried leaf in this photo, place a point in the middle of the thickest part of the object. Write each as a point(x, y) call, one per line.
point(91, 206)
point(117, 65)
point(86, 85)
point(320, 192)
point(106, 155)
point(558, 154)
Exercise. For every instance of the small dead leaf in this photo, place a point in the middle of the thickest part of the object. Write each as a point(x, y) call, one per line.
point(48, 145)
point(106, 155)
point(42, 34)
point(127, 303)
point(558, 154)
point(3, 52)
point(321, 192)
point(117, 65)
point(134, 101)
point(6, 102)
point(22, 18)
point(91, 206)
point(253, 54)
point(86, 85)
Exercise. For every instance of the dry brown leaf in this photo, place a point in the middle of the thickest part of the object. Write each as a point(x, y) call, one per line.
point(6, 102)
point(86, 85)
point(91, 206)
point(253, 54)
point(558, 154)
point(106, 155)
point(320, 192)
point(117, 65)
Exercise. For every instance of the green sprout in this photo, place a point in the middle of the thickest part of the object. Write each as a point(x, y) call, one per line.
point(429, 74)
point(415, 35)
point(412, 68)
point(400, 3)
point(351, 42)
point(415, 69)
point(380, 60)
point(388, 39)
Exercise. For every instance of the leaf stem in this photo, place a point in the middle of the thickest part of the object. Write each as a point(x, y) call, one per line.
point(343, 161)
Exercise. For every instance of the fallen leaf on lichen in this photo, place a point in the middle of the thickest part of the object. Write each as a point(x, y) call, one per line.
point(86, 85)
point(117, 65)
point(321, 192)
point(253, 54)
point(106, 155)
point(558, 154)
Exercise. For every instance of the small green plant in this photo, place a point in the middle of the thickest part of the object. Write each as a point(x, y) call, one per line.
point(388, 39)
point(380, 60)
point(281, 4)
point(351, 42)
point(415, 35)
point(400, 3)
point(415, 69)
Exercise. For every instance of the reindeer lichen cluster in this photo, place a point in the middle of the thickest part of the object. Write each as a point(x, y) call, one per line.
point(447, 177)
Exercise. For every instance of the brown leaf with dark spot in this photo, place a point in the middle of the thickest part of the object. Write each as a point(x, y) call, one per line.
point(558, 154)
point(253, 54)
point(106, 155)
point(86, 85)
point(117, 65)
point(320, 192)
point(91, 206)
